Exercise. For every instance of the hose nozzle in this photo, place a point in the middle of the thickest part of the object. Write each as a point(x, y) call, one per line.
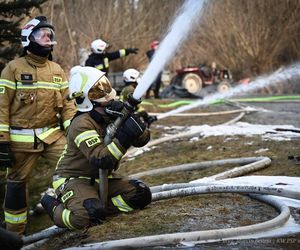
point(132, 102)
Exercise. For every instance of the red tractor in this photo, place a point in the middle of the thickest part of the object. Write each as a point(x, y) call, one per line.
point(194, 79)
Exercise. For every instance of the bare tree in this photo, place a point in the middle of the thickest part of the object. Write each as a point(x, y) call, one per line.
point(247, 35)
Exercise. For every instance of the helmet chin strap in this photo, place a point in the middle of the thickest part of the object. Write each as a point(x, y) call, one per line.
point(39, 50)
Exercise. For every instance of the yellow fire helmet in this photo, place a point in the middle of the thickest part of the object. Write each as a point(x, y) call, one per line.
point(89, 84)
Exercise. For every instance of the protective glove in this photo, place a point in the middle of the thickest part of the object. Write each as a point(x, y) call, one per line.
point(151, 119)
point(130, 130)
point(114, 109)
point(132, 50)
point(142, 140)
point(7, 158)
point(105, 162)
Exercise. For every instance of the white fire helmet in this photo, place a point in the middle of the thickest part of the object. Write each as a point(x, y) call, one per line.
point(99, 46)
point(131, 75)
point(33, 29)
point(89, 84)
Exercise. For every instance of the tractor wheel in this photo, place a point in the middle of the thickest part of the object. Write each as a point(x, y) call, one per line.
point(223, 86)
point(192, 83)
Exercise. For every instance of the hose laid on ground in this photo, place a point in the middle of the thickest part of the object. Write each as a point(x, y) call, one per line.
point(51, 231)
point(182, 192)
point(253, 163)
point(216, 235)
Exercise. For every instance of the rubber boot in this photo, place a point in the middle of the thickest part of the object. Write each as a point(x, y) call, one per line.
point(49, 203)
point(10, 240)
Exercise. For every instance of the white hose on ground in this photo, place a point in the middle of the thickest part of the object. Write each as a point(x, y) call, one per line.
point(54, 230)
point(188, 191)
point(253, 163)
point(234, 120)
point(208, 235)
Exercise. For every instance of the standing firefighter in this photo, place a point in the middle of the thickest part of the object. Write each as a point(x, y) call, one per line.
point(131, 78)
point(100, 58)
point(78, 203)
point(33, 113)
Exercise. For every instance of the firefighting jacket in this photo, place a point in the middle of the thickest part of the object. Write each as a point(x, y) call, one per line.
point(32, 102)
point(85, 142)
point(101, 61)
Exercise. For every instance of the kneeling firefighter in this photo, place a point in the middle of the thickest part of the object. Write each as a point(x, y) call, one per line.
point(78, 203)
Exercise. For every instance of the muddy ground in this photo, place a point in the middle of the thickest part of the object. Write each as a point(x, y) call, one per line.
point(202, 212)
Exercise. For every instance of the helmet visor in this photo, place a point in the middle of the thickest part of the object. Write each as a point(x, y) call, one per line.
point(43, 36)
point(101, 91)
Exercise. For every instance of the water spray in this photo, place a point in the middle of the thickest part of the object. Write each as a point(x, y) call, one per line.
point(288, 73)
point(179, 30)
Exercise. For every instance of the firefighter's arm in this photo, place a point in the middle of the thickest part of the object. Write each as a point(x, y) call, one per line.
point(7, 93)
point(68, 108)
point(132, 132)
point(121, 53)
point(131, 51)
point(91, 144)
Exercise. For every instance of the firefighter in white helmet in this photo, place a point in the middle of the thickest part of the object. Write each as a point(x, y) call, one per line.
point(34, 115)
point(100, 58)
point(131, 78)
point(75, 180)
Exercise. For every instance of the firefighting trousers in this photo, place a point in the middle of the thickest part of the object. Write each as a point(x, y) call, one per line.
point(81, 207)
point(16, 196)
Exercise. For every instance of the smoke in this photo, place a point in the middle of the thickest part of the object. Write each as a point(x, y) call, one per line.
point(177, 33)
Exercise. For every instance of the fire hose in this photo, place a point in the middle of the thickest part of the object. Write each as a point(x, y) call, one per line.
point(197, 236)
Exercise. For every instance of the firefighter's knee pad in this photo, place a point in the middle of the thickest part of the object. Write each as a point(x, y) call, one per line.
point(143, 195)
point(95, 210)
point(15, 197)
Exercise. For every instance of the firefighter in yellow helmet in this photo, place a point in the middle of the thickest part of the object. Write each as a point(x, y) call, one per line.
point(33, 116)
point(78, 204)
point(131, 78)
